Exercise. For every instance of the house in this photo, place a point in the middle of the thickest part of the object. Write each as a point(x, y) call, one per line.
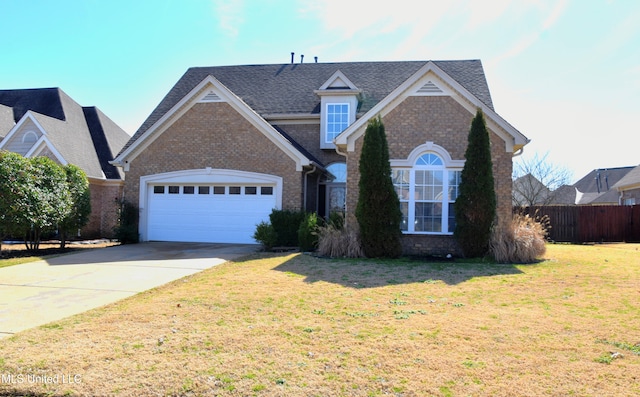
point(47, 122)
point(595, 188)
point(528, 190)
point(228, 144)
point(628, 187)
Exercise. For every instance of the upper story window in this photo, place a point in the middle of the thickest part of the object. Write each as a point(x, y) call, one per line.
point(339, 103)
point(427, 193)
point(337, 120)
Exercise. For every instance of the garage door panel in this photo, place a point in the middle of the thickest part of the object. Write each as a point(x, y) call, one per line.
point(225, 218)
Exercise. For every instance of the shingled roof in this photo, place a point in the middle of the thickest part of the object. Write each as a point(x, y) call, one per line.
point(45, 101)
point(289, 88)
point(632, 178)
point(84, 136)
point(597, 185)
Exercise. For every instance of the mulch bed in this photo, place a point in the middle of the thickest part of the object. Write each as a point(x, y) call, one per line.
point(18, 250)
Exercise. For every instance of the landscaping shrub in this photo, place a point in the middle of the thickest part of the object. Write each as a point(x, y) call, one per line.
point(265, 235)
point(378, 209)
point(307, 236)
point(127, 230)
point(522, 241)
point(286, 224)
point(340, 242)
point(475, 207)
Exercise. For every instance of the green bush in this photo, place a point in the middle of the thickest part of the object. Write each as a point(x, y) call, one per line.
point(265, 235)
point(127, 230)
point(307, 232)
point(286, 224)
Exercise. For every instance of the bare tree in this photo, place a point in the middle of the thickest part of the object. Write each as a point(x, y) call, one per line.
point(535, 179)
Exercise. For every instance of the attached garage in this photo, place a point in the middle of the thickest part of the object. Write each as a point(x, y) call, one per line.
point(210, 205)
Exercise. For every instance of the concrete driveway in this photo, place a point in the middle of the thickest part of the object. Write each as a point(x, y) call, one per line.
point(37, 293)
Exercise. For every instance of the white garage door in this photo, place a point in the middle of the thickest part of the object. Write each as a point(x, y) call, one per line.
point(220, 213)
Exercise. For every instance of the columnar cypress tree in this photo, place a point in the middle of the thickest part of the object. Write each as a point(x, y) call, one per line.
point(378, 210)
point(475, 206)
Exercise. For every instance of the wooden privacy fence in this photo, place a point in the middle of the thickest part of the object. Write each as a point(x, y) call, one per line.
point(586, 224)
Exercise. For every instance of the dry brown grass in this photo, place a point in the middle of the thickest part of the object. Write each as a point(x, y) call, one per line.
point(295, 325)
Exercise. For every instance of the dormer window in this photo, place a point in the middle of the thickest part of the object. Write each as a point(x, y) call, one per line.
point(339, 102)
point(337, 120)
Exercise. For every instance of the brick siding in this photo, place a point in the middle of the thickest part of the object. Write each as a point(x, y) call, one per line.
point(215, 135)
point(104, 211)
point(444, 122)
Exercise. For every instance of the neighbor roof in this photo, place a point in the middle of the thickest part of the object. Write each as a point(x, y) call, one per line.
point(83, 136)
point(289, 88)
point(601, 180)
point(632, 178)
point(46, 101)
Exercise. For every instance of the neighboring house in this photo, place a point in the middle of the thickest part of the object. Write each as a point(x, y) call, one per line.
point(47, 122)
point(528, 190)
point(629, 187)
point(595, 188)
point(228, 144)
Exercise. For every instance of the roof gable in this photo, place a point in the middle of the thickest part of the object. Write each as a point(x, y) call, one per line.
point(431, 75)
point(208, 86)
point(66, 131)
point(338, 81)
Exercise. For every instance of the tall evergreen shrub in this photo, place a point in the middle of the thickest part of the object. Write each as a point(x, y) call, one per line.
point(475, 207)
point(378, 209)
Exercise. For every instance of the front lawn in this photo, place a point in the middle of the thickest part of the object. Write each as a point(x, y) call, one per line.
point(295, 325)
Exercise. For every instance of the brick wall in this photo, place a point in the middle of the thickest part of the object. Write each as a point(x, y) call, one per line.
point(444, 122)
point(215, 135)
point(308, 136)
point(104, 210)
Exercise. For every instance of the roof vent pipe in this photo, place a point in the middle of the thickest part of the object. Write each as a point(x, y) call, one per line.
point(315, 59)
point(292, 54)
point(301, 58)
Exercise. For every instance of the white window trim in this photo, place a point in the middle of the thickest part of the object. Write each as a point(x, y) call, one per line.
point(326, 125)
point(409, 164)
point(352, 104)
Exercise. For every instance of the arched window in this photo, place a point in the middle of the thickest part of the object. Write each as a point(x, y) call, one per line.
point(427, 192)
point(339, 171)
point(29, 137)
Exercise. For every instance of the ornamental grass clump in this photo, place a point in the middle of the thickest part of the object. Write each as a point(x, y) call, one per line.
point(522, 241)
point(338, 242)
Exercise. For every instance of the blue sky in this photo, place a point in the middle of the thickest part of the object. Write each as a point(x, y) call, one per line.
point(565, 73)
